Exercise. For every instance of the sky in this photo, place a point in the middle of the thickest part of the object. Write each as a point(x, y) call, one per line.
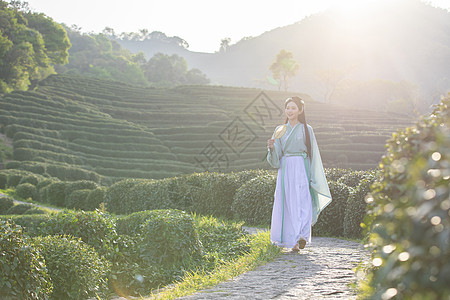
point(202, 23)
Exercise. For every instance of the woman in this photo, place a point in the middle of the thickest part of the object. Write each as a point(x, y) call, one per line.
point(302, 191)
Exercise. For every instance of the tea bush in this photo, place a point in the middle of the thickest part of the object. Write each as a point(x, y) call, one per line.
point(132, 224)
point(3, 180)
point(5, 204)
point(19, 209)
point(32, 179)
point(73, 186)
point(94, 199)
point(117, 193)
point(334, 174)
point(54, 193)
point(76, 270)
point(356, 208)
point(253, 201)
point(34, 211)
point(94, 228)
point(331, 219)
point(410, 221)
point(31, 224)
point(228, 240)
point(353, 179)
point(156, 247)
point(77, 199)
point(25, 190)
point(23, 271)
point(210, 193)
point(169, 237)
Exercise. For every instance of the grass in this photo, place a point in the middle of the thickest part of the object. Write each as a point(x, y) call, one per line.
point(262, 251)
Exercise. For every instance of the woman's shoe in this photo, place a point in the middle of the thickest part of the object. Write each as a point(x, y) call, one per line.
point(295, 249)
point(301, 243)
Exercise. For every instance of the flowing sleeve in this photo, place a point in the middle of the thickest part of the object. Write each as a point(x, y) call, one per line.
point(320, 191)
point(274, 156)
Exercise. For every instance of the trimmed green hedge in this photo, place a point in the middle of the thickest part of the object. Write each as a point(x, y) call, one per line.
point(356, 208)
point(19, 209)
point(75, 268)
point(24, 274)
point(253, 201)
point(5, 204)
point(25, 191)
point(331, 219)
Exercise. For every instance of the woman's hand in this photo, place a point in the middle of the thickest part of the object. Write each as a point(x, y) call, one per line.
point(270, 143)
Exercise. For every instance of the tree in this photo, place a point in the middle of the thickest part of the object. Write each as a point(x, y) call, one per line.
point(165, 70)
point(224, 44)
point(55, 37)
point(98, 56)
point(283, 68)
point(30, 44)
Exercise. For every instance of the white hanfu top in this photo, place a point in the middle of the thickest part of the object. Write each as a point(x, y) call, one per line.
point(296, 145)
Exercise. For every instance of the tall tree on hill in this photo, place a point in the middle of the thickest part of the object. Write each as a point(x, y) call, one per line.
point(283, 68)
point(30, 45)
point(165, 70)
point(224, 44)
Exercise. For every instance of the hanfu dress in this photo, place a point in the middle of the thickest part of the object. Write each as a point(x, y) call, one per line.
point(301, 191)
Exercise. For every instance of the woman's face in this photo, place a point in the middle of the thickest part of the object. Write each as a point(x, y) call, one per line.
point(292, 111)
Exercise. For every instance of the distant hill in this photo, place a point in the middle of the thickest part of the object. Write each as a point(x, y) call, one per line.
point(82, 128)
point(392, 41)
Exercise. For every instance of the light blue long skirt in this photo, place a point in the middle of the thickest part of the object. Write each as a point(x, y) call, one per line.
point(286, 229)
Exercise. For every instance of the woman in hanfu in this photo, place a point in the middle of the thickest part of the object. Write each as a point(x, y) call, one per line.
point(301, 191)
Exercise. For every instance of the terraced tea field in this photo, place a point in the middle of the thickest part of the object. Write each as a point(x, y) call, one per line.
point(82, 128)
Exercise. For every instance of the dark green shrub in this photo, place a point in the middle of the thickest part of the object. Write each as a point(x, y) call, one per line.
point(149, 195)
point(41, 192)
point(34, 211)
point(19, 209)
point(334, 174)
point(210, 193)
point(131, 275)
point(117, 193)
point(31, 224)
point(32, 179)
point(95, 198)
point(157, 247)
point(356, 208)
point(353, 179)
point(169, 237)
point(23, 270)
point(94, 228)
point(55, 193)
point(3, 180)
point(229, 240)
point(77, 199)
point(132, 224)
point(25, 190)
point(410, 219)
point(79, 185)
point(243, 177)
point(77, 271)
point(14, 179)
point(331, 219)
point(5, 204)
point(253, 201)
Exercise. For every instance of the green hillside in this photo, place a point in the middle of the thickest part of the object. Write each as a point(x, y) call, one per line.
point(81, 128)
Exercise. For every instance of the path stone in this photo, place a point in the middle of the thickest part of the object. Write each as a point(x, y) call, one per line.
point(322, 270)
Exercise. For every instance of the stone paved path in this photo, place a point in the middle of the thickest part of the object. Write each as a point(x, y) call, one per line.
point(322, 270)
